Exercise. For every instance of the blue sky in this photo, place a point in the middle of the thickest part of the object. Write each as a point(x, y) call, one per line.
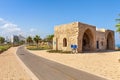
point(30, 17)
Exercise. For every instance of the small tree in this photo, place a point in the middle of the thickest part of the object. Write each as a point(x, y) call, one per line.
point(21, 42)
point(2, 40)
point(49, 38)
point(118, 25)
point(37, 39)
point(29, 40)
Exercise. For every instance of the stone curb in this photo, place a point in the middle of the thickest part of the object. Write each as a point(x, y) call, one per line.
point(27, 70)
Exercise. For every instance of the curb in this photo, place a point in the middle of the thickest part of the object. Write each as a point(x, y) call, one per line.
point(27, 70)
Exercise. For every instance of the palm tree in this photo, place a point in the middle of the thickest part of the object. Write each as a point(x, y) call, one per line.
point(29, 40)
point(118, 25)
point(49, 38)
point(37, 39)
point(2, 40)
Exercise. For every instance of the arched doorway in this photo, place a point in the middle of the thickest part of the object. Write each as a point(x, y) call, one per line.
point(87, 40)
point(110, 41)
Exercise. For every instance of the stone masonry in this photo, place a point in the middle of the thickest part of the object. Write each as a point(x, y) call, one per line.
point(86, 37)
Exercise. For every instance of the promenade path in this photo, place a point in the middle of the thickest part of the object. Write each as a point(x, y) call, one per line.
point(46, 69)
point(105, 64)
point(10, 67)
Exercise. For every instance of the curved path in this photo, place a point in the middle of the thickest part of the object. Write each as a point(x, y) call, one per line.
point(49, 70)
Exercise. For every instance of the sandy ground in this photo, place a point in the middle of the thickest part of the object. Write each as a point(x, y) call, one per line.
point(102, 64)
point(10, 67)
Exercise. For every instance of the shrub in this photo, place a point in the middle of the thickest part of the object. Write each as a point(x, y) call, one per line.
point(4, 48)
point(33, 47)
point(58, 51)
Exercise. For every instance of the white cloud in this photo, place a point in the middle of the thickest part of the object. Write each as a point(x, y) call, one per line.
point(8, 27)
point(1, 20)
point(32, 30)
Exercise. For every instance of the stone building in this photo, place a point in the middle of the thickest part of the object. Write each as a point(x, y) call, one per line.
point(86, 37)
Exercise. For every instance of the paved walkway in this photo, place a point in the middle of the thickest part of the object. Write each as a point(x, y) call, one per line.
point(104, 64)
point(49, 70)
point(10, 67)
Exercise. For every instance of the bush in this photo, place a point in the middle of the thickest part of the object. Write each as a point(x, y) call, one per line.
point(4, 48)
point(38, 48)
point(58, 51)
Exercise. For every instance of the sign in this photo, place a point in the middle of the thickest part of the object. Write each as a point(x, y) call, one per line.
point(74, 46)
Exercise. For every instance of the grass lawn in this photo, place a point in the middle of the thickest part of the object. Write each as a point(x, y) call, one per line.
point(34, 47)
point(4, 48)
point(45, 47)
point(59, 51)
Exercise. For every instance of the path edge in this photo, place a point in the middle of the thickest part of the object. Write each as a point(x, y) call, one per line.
point(27, 70)
point(75, 68)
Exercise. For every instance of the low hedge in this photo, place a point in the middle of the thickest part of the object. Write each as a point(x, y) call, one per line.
point(37, 48)
point(4, 48)
point(58, 51)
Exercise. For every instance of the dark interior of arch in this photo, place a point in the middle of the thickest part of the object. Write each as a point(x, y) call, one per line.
point(87, 40)
point(109, 42)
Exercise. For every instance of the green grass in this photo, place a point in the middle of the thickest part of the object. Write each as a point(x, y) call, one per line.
point(45, 47)
point(58, 51)
point(33, 47)
point(4, 48)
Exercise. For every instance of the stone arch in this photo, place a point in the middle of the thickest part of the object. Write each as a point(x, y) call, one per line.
point(109, 41)
point(64, 42)
point(87, 40)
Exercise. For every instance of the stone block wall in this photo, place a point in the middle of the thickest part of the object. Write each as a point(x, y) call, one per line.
point(100, 37)
point(84, 36)
point(68, 31)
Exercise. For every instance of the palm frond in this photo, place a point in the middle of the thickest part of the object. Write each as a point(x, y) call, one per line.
point(117, 19)
point(118, 29)
point(117, 25)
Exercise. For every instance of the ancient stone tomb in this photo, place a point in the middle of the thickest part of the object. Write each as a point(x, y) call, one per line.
point(86, 37)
